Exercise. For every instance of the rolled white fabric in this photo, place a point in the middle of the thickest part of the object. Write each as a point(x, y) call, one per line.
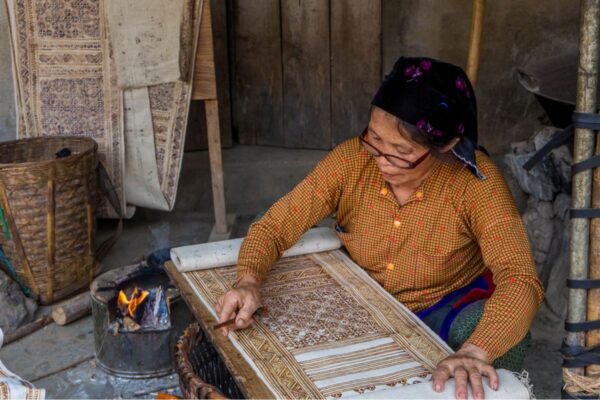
point(223, 253)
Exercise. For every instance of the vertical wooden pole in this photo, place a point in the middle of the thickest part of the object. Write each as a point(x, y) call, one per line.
point(593, 300)
point(583, 149)
point(475, 40)
point(216, 164)
point(51, 237)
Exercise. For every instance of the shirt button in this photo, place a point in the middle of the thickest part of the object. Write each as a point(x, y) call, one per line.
point(390, 266)
point(396, 223)
point(419, 195)
point(383, 191)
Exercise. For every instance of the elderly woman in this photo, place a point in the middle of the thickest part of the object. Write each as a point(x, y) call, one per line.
point(427, 214)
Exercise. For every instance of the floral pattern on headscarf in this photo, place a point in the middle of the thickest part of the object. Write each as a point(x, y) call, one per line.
point(414, 71)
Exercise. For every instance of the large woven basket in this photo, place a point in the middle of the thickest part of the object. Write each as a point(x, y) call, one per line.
point(47, 223)
point(202, 373)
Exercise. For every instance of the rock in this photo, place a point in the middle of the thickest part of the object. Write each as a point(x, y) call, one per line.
point(523, 147)
point(535, 182)
point(561, 206)
point(543, 136)
point(558, 270)
point(518, 194)
point(15, 308)
point(545, 209)
point(538, 220)
point(562, 160)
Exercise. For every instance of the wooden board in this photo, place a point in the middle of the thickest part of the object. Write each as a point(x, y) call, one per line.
point(356, 64)
point(221, 54)
point(247, 380)
point(211, 78)
point(393, 28)
point(257, 86)
point(306, 73)
point(205, 80)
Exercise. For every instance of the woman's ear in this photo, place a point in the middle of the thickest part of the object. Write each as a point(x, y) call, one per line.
point(450, 145)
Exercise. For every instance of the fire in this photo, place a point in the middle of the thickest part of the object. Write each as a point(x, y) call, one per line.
point(131, 304)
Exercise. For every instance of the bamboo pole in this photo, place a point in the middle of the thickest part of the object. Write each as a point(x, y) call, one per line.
point(584, 141)
point(475, 40)
point(593, 300)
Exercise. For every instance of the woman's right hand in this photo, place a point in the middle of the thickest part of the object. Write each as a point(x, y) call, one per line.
point(240, 303)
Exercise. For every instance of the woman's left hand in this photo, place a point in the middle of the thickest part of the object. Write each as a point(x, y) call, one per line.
point(467, 365)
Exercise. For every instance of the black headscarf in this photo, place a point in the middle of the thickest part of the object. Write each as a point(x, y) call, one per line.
point(438, 99)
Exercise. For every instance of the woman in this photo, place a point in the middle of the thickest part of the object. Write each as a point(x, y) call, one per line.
point(426, 214)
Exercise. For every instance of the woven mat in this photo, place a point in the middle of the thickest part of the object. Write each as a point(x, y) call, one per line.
point(66, 85)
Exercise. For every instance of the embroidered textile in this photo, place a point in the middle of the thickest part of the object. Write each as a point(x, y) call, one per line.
point(146, 39)
point(330, 330)
point(66, 85)
point(13, 387)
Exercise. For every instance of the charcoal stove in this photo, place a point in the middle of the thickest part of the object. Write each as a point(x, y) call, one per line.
point(146, 352)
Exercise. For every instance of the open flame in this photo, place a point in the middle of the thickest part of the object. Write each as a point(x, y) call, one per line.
point(133, 302)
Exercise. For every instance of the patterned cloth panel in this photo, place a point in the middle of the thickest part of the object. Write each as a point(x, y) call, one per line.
point(329, 331)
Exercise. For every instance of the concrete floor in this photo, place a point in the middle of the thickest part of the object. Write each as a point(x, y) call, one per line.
point(60, 359)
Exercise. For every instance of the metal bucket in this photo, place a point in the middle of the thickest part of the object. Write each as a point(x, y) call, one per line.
point(140, 354)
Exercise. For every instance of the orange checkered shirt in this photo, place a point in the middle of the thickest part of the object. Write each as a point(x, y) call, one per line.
point(452, 228)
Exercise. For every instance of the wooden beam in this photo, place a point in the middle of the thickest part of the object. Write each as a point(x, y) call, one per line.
point(475, 40)
point(216, 165)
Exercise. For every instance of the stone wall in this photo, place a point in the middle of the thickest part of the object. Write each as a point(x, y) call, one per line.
point(546, 189)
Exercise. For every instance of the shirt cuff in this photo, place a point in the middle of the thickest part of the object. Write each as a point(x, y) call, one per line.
point(245, 271)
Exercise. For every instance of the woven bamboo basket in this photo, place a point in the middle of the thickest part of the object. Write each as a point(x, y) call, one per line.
point(47, 223)
point(202, 373)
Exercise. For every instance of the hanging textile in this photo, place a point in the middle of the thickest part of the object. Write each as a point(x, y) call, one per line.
point(66, 84)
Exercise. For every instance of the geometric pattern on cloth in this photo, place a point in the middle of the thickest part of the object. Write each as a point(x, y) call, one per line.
point(65, 84)
point(330, 330)
point(13, 387)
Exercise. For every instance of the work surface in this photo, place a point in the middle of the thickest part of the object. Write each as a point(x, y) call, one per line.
point(330, 331)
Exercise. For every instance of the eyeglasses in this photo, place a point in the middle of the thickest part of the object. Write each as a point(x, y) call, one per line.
point(394, 160)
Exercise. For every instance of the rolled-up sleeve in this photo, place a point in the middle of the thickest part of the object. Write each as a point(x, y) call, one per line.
point(314, 198)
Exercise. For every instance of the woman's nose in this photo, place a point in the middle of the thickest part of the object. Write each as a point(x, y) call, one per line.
point(382, 162)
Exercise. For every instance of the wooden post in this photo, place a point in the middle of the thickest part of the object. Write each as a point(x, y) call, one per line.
point(216, 164)
point(205, 88)
point(475, 40)
point(587, 78)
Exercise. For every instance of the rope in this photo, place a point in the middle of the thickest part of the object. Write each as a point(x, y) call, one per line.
point(13, 273)
point(4, 224)
point(586, 385)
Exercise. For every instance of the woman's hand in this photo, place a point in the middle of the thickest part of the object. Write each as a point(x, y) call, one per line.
point(467, 365)
point(239, 303)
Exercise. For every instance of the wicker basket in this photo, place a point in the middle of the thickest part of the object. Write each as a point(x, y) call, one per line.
point(47, 223)
point(202, 373)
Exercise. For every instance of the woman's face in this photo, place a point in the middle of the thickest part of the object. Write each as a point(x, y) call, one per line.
point(384, 135)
